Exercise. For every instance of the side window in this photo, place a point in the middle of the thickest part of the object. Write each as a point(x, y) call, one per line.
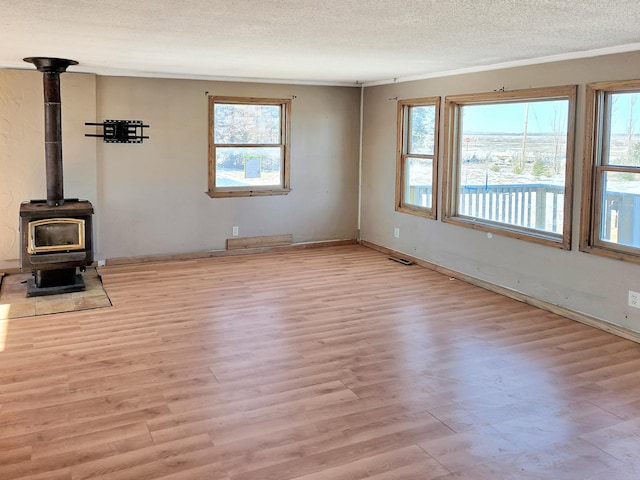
point(249, 143)
point(611, 191)
point(510, 162)
point(417, 156)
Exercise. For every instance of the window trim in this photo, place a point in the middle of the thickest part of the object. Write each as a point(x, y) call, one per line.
point(255, 190)
point(451, 181)
point(593, 172)
point(402, 143)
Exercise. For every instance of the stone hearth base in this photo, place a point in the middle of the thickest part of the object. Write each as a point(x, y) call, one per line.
point(15, 304)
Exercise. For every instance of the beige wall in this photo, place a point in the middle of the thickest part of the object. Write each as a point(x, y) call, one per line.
point(22, 161)
point(150, 198)
point(581, 282)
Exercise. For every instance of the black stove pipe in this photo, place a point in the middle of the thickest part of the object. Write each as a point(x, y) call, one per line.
point(51, 69)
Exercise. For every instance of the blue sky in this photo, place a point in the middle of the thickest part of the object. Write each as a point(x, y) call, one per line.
point(620, 116)
point(509, 118)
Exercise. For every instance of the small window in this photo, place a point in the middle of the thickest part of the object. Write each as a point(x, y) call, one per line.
point(416, 163)
point(510, 161)
point(611, 194)
point(248, 146)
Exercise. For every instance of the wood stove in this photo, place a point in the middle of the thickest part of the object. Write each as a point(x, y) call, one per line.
point(56, 233)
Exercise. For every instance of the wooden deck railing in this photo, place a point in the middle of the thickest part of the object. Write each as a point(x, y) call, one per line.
point(620, 224)
point(539, 206)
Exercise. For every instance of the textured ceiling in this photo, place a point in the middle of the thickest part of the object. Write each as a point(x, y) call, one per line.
point(315, 41)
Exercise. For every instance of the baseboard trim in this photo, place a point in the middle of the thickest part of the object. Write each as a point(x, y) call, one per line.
point(119, 261)
point(10, 267)
point(521, 297)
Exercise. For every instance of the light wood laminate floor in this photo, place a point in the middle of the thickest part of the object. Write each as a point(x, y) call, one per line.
point(326, 364)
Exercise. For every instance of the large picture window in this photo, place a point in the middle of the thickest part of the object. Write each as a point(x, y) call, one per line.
point(611, 194)
point(417, 154)
point(249, 146)
point(509, 163)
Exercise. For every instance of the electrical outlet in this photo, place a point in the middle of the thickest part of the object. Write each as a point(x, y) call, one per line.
point(634, 299)
point(101, 263)
point(396, 232)
point(235, 231)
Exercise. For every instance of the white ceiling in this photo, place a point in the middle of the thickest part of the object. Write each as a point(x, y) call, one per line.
point(311, 41)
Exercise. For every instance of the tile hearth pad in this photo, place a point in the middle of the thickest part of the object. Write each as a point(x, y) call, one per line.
point(15, 304)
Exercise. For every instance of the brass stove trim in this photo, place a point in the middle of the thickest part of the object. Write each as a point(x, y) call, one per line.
point(32, 248)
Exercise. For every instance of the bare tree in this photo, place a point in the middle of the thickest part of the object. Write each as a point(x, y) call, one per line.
point(559, 129)
point(630, 126)
point(523, 151)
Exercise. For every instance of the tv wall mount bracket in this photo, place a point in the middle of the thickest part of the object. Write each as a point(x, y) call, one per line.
point(120, 131)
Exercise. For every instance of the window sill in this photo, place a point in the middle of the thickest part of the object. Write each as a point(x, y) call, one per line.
point(612, 253)
point(528, 235)
point(222, 193)
point(418, 211)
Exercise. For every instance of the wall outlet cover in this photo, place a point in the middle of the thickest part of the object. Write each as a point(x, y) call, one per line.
point(634, 299)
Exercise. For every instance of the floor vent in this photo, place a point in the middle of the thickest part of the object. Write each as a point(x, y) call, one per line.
point(403, 261)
